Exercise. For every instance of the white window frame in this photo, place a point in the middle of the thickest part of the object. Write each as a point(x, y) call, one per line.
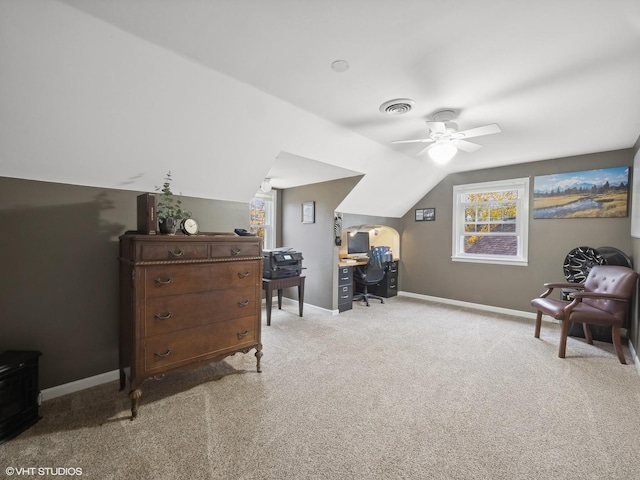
point(270, 226)
point(522, 221)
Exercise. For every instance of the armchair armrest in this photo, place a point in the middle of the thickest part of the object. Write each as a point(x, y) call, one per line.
point(599, 295)
point(578, 296)
point(577, 286)
point(553, 285)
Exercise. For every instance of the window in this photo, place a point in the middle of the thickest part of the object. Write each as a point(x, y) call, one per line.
point(490, 222)
point(262, 218)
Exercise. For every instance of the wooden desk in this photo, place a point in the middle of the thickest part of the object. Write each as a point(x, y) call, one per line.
point(355, 263)
point(271, 284)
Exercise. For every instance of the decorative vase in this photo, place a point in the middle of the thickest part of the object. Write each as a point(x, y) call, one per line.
point(168, 226)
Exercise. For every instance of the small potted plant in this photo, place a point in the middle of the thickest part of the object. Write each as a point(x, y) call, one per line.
point(169, 207)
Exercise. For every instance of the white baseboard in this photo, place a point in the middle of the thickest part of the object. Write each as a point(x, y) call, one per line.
point(448, 301)
point(476, 306)
point(76, 386)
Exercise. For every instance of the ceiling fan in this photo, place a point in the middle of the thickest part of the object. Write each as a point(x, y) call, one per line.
point(446, 139)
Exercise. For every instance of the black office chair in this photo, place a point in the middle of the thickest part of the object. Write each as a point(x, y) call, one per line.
point(370, 274)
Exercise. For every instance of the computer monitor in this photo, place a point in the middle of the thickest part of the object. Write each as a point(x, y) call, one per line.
point(358, 243)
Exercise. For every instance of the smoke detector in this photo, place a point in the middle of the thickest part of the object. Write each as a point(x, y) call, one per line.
point(340, 66)
point(397, 106)
point(444, 115)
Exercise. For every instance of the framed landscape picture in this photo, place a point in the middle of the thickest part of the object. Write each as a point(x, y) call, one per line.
point(585, 194)
point(635, 199)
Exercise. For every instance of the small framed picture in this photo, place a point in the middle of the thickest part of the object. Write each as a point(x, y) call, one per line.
point(309, 212)
point(425, 214)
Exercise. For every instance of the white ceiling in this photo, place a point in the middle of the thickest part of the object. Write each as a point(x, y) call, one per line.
point(560, 77)
point(291, 170)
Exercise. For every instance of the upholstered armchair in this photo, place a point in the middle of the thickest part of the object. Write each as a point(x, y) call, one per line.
point(603, 299)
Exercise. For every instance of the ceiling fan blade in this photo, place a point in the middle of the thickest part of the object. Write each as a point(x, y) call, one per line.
point(478, 131)
point(417, 140)
point(466, 146)
point(437, 127)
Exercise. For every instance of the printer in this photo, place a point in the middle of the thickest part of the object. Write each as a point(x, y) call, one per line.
point(281, 263)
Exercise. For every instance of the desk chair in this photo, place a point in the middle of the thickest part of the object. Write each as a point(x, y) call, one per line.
point(370, 274)
point(603, 299)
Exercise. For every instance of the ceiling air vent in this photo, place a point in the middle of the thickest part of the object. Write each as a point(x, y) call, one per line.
point(398, 106)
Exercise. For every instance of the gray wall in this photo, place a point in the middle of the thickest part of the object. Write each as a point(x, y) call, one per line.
point(59, 249)
point(315, 240)
point(426, 267)
point(634, 333)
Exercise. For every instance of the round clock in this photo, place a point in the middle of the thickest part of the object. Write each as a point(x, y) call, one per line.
point(189, 226)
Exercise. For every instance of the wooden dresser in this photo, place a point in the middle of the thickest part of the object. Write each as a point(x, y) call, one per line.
point(186, 301)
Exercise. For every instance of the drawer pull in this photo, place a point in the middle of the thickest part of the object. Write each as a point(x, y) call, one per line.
point(177, 254)
point(244, 274)
point(163, 355)
point(243, 303)
point(243, 334)
point(165, 316)
point(162, 281)
point(236, 251)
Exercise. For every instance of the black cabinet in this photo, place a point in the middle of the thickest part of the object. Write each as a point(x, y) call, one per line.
point(388, 287)
point(345, 288)
point(18, 392)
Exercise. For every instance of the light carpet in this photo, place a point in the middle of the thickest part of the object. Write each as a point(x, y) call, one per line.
point(406, 390)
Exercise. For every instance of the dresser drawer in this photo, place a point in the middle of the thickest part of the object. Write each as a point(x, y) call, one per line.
point(221, 250)
point(173, 251)
point(171, 349)
point(178, 312)
point(164, 280)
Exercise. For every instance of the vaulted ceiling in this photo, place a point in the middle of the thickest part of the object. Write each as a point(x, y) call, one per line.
point(560, 77)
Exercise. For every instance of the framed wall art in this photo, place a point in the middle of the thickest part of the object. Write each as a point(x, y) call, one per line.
point(425, 214)
point(602, 193)
point(309, 212)
point(635, 199)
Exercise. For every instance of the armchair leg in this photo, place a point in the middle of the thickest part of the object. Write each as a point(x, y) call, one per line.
point(617, 344)
point(538, 323)
point(562, 349)
point(587, 333)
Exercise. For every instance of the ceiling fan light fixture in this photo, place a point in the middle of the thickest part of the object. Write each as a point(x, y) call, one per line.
point(442, 152)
